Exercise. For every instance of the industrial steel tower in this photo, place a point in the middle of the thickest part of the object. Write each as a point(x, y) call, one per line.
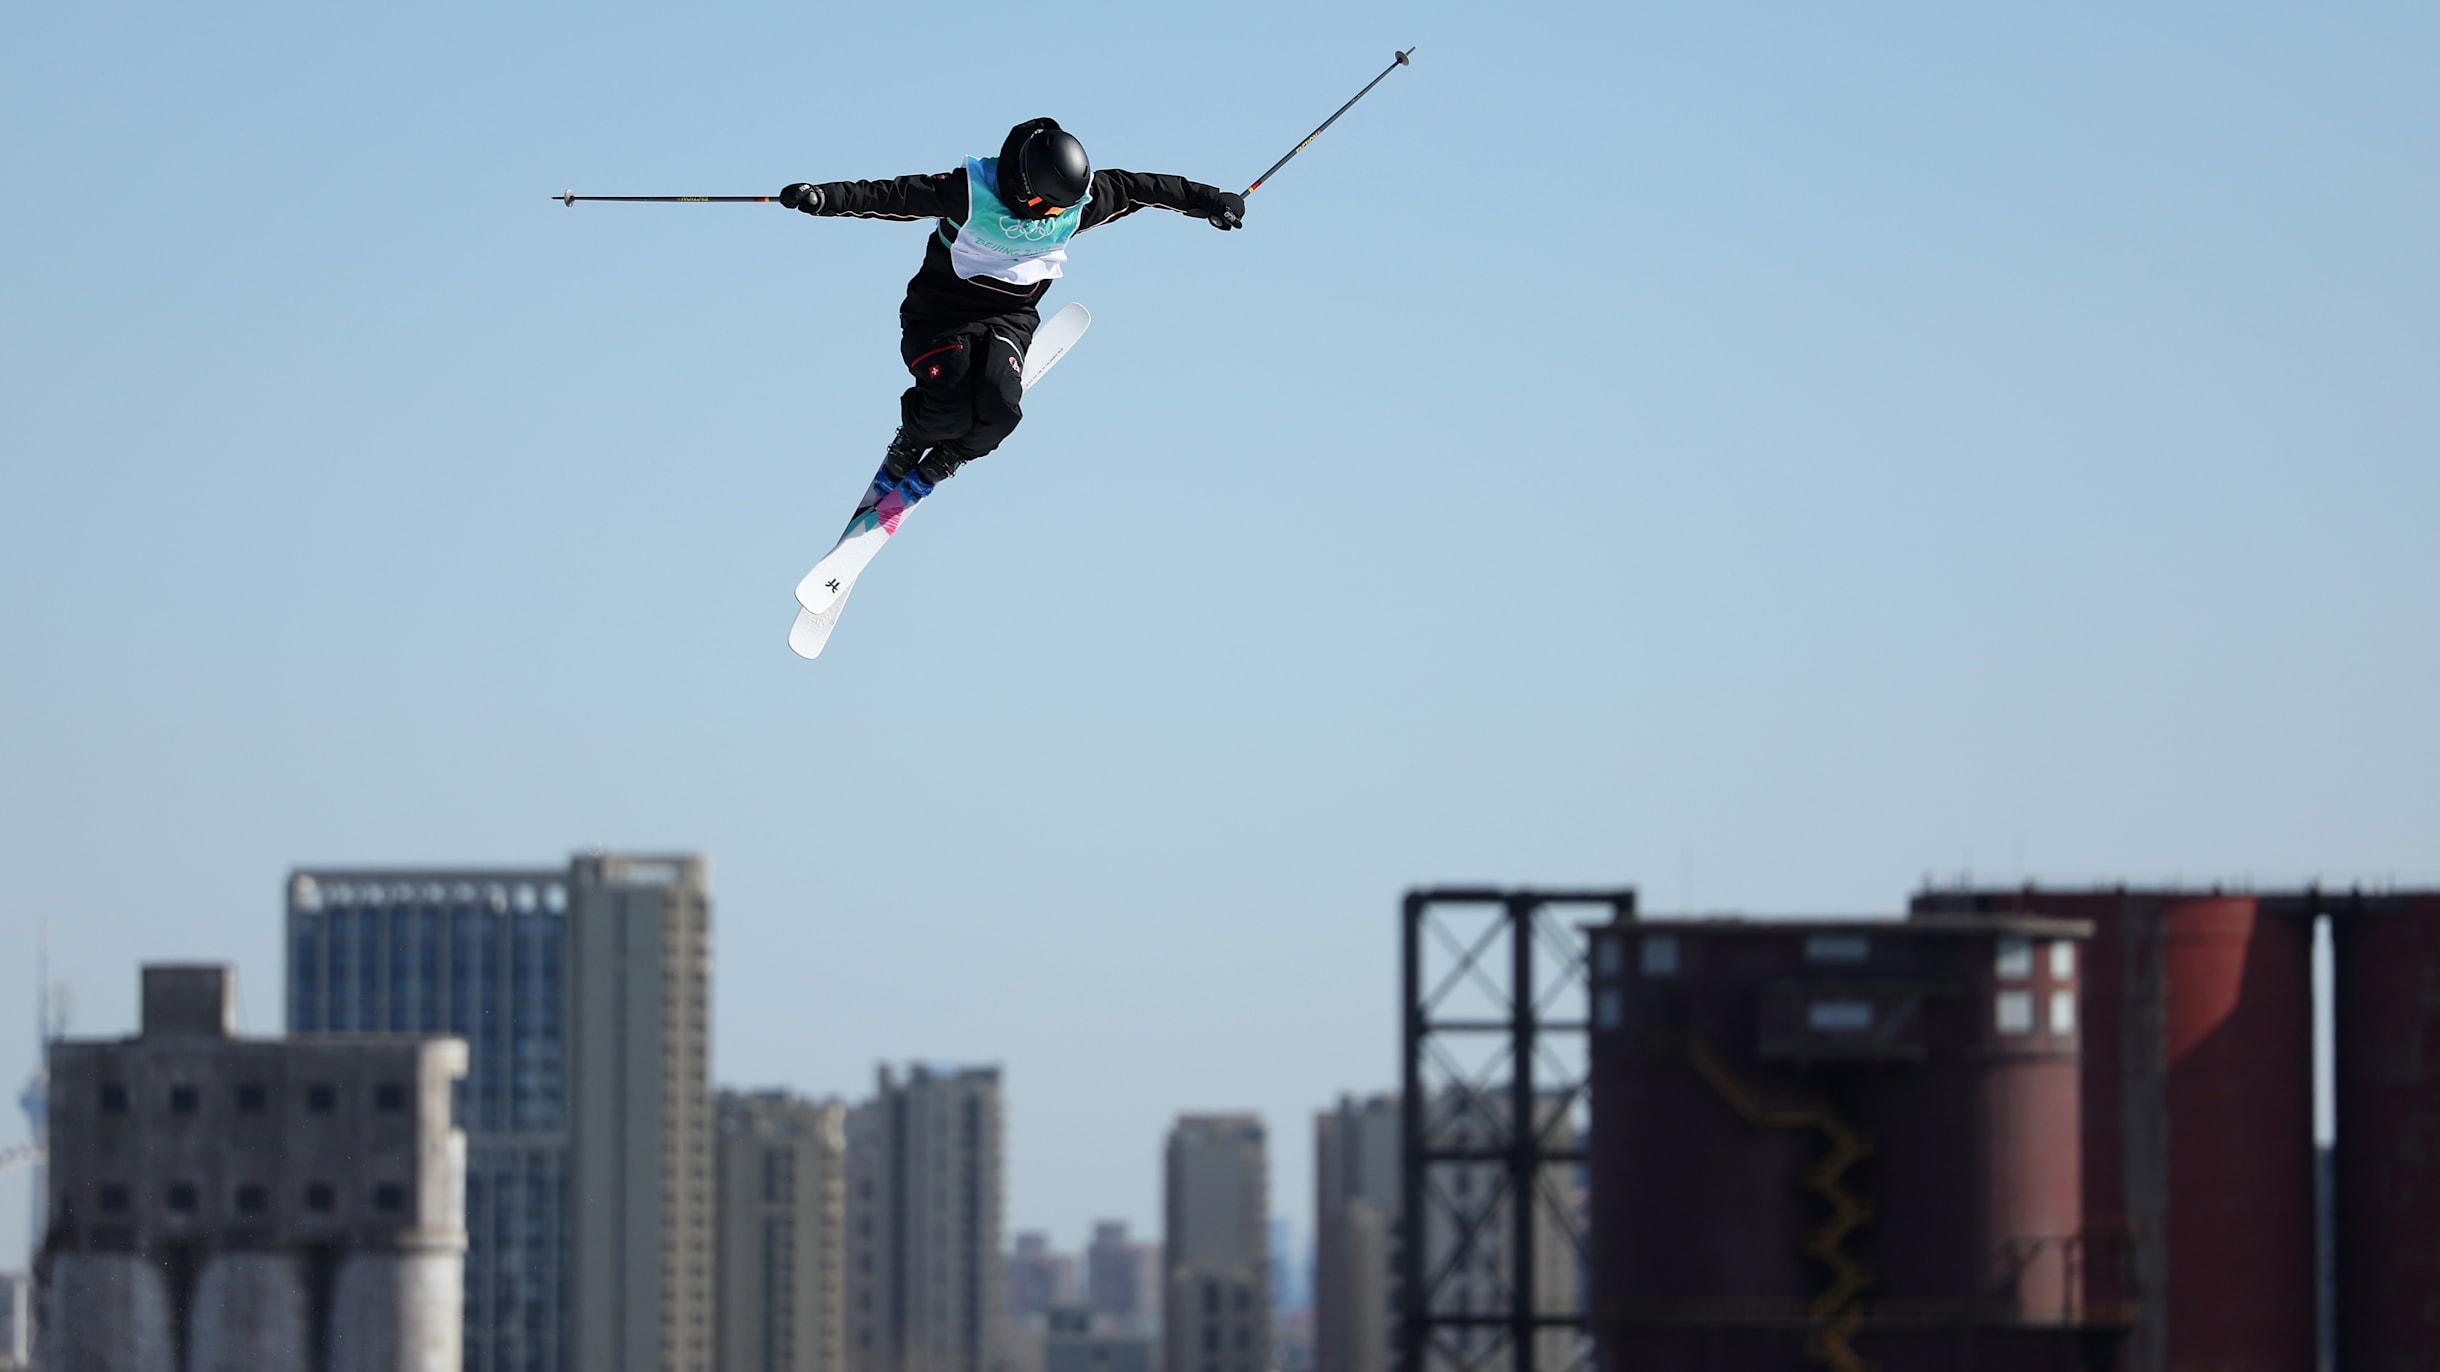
point(1492, 1246)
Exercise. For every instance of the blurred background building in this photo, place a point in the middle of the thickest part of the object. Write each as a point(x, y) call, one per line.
point(582, 994)
point(781, 1280)
point(1123, 1279)
point(1040, 1278)
point(264, 1204)
point(16, 1320)
point(1355, 1227)
point(926, 1281)
point(1074, 1341)
point(1216, 1313)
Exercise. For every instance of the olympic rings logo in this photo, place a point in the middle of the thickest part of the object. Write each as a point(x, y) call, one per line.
point(1031, 230)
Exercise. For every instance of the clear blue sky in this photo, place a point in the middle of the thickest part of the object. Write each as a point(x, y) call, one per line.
point(1764, 453)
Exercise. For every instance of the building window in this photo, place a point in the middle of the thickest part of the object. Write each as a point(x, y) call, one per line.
point(390, 1096)
point(1659, 955)
point(2015, 959)
point(182, 1100)
point(253, 1097)
point(253, 1200)
point(182, 1198)
point(2012, 1012)
point(114, 1200)
point(114, 1098)
point(2062, 1012)
point(390, 1198)
point(1838, 1016)
point(2062, 959)
point(320, 1199)
point(321, 1098)
point(1838, 948)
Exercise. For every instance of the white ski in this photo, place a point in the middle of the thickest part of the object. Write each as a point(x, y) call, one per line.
point(823, 592)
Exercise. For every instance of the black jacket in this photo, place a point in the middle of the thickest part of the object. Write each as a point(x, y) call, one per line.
point(938, 299)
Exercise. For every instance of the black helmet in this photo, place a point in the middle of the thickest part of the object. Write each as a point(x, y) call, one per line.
point(1043, 169)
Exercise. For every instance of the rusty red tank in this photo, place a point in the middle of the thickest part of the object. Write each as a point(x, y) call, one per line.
point(2198, 1144)
point(1854, 1143)
point(2386, 1196)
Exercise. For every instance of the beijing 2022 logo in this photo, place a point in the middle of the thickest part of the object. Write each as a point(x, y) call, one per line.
point(1031, 230)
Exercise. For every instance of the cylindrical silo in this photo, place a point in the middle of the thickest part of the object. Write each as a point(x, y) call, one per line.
point(2386, 955)
point(121, 1320)
point(2198, 1101)
point(2237, 1016)
point(397, 1311)
point(252, 1313)
point(1849, 1144)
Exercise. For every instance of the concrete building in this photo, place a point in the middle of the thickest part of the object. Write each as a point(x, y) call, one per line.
point(16, 1321)
point(782, 1227)
point(591, 980)
point(1123, 1279)
point(265, 1204)
point(1217, 1310)
point(1355, 1225)
point(925, 1283)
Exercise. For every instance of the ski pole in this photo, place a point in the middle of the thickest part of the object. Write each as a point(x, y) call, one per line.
point(570, 198)
point(1385, 71)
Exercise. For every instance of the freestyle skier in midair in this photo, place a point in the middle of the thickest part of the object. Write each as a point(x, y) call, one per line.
point(1004, 225)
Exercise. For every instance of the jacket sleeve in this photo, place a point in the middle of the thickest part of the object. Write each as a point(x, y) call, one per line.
point(941, 195)
point(1117, 194)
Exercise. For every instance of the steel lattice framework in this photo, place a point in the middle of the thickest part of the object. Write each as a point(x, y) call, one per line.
point(1493, 1249)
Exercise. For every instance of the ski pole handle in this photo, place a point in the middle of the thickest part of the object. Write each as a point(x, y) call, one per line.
point(1398, 60)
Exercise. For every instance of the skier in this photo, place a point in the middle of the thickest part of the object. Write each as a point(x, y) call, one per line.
point(1004, 224)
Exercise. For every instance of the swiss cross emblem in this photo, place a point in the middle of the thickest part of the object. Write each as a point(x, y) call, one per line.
point(935, 370)
point(1012, 365)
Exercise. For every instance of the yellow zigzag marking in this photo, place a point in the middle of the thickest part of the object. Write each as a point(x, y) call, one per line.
point(1838, 1309)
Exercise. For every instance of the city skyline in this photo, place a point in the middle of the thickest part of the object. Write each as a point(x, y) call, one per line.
point(1981, 393)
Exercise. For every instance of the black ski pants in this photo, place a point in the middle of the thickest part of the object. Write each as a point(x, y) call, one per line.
point(969, 390)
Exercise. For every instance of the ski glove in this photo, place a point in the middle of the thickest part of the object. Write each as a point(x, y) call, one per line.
point(1232, 212)
point(802, 195)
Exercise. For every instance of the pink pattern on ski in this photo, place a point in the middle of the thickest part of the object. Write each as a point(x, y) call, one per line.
point(893, 507)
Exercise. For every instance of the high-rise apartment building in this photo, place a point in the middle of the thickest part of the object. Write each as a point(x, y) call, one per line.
point(640, 1097)
point(592, 976)
point(925, 1283)
point(282, 1205)
point(1217, 1313)
point(1356, 1154)
point(782, 1226)
point(1123, 1279)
